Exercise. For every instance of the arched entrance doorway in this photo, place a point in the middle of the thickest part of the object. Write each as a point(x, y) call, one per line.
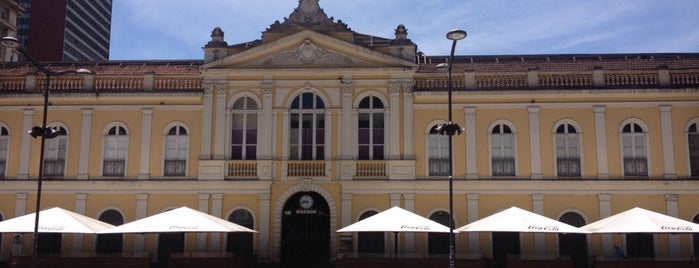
point(573, 245)
point(305, 231)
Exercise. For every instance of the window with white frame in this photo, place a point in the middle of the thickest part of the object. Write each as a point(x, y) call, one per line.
point(176, 151)
point(307, 128)
point(116, 142)
point(370, 129)
point(55, 152)
point(693, 148)
point(567, 151)
point(244, 129)
point(502, 150)
point(633, 143)
point(4, 150)
point(438, 153)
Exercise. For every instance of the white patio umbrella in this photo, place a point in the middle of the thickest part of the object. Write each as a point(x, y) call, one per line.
point(54, 220)
point(181, 219)
point(515, 219)
point(639, 220)
point(396, 220)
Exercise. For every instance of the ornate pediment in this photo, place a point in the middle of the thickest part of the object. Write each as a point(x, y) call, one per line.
point(309, 53)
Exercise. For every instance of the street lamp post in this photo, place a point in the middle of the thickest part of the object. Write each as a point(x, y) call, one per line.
point(42, 131)
point(450, 129)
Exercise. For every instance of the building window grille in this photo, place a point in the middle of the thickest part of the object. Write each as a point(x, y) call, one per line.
point(634, 150)
point(567, 151)
point(502, 151)
point(176, 151)
point(116, 142)
point(439, 153)
point(55, 154)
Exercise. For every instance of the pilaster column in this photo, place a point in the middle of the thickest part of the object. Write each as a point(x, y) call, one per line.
point(471, 157)
point(265, 122)
point(668, 149)
point(216, 210)
point(20, 210)
point(141, 212)
point(394, 122)
point(80, 203)
point(27, 123)
point(534, 142)
point(605, 210)
point(203, 207)
point(347, 131)
point(408, 121)
point(264, 230)
point(220, 126)
point(474, 243)
point(601, 136)
point(395, 201)
point(206, 124)
point(673, 211)
point(539, 238)
point(345, 220)
point(85, 134)
point(146, 131)
point(409, 236)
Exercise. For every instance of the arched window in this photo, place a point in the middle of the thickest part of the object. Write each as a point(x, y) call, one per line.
point(176, 151)
point(438, 153)
point(55, 152)
point(573, 245)
point(370, 136)
point(4, 150)
point(307, 128)
point(370, 243)
point(502, 150)
point(567, 151)
point(240, 243)
point(438, 243)
point(110, 243)
point(244, 129)
point(633, 144)
point(693, 148)
point(116, 142)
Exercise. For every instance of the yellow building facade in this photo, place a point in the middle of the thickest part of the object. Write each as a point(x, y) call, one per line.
point(315, 127)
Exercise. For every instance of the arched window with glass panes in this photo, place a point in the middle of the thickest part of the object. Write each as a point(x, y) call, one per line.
point(55, 153)
point(502, 150)
point(307, 128)
point(438, 150)
point(693, 149)
point(567, 144)
point(370, 129)
point(116, 141)
point(633, 146)
point(4, 150)
point(176, 151)
point(244, 129)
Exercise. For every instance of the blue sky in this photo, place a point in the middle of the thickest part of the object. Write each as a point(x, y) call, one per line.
point(177, 29)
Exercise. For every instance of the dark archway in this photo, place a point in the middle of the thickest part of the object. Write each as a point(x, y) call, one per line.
point(305, 231)
point(370, 243)
point(49, 243)
point(111, 243)
point(504, 245)
point(240, 244)
point(573, 245)
point(169, 243)
point(438, 243)
point(640, 245)
point(695, 239)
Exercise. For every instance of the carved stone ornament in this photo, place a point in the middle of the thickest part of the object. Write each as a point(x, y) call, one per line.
point(307, 53)
point(308, 13)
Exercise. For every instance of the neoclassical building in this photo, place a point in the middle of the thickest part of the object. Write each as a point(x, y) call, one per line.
point(315, 126)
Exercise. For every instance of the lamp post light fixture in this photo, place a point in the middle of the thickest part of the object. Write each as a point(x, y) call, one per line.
point(450, 129)
point(42, 130)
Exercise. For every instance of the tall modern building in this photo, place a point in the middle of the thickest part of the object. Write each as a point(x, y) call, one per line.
point(66, 30)
point(315, 126)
